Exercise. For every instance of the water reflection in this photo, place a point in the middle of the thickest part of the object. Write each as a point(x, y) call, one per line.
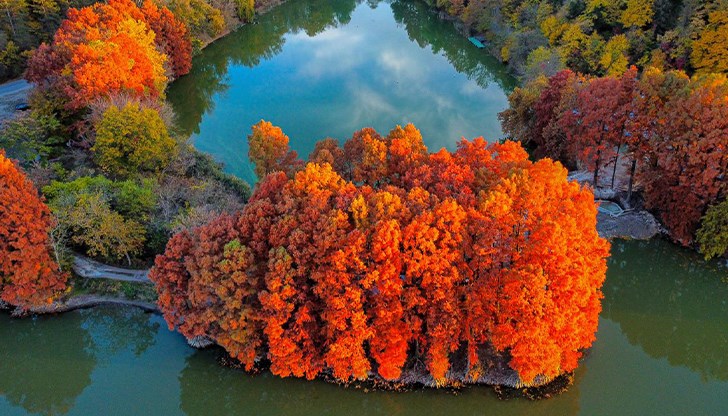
point(328, 68)
point(47, 362)
point(210, 389)
point(119, 329)
point(427, 29)
point(44, 364)
point(671, 304)
point(193, 96)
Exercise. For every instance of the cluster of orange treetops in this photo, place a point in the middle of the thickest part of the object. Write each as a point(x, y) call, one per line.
point(378, 254)
point(672, 130)
point(112, 48)
point(28, 272)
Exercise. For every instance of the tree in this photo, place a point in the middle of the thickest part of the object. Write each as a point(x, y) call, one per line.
point(99, 51)
point(268, 150)
point(614, 60)
point(30, 138)
point(328, 151)
point(245, 9)
point(555, 100)
point(519, 119)
point(29, 275)
point(172, 37)
point(709, 50)
point(132, 140)
point(712, 236)
point(685, 174)
point(637, 14)
point(102, 217)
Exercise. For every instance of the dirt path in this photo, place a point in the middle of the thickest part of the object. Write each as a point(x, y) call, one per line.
point(12, 93)
point(91, 269)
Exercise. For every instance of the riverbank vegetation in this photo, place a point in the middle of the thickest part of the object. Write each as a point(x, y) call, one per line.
point(643, 82)
point(671, 129)
point(26, 25)
point(28, 272)
point(597, 37)
point(379, 256)
point(100, 142)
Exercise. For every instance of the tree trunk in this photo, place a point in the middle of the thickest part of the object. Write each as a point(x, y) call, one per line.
point(10, 20)
point(596, 169)
point(616, 161)
point(631, 180)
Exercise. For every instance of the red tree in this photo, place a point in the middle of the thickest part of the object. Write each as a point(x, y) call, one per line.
point(172, 38)
point(28, 274)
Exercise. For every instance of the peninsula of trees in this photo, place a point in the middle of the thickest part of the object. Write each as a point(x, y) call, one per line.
point(378, 255)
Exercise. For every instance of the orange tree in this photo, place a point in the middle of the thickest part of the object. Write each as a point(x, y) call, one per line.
point(112, 48)
point(28, 274)
point(395, 256)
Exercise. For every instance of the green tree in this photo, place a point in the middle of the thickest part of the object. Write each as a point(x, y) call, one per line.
point(101, 216)
point(30, 138)
point(713, 233)
point(132, 140)
point(245, 9)
point(102, 231)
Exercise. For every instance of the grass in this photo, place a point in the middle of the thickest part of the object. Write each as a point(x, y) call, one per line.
point(144, 292)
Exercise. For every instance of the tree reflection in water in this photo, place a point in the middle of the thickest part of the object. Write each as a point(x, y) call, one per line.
point(45, 363)
point(208, 388)
point(671, 303)
point(248, 47)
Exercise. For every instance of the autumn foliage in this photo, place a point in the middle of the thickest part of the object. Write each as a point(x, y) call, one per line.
point(395, 257)
point(28, 274)
point(112, 48)
point(673, 130)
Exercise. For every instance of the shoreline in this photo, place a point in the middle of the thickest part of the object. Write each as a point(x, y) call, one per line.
point(85, 301)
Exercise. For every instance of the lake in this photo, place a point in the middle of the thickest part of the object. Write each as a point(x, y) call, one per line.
point(322, 69)
point(661, 349)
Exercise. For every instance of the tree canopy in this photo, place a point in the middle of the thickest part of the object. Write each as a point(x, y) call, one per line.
point(29, 274)
point(396, 255)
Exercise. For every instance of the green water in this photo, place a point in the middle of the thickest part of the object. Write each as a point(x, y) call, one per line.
point(326, 68)
point(661, 349)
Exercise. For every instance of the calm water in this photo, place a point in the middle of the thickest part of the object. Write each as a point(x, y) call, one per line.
point(662, 349)
point(320, 68)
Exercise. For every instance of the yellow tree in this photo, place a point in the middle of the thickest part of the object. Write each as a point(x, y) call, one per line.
point(638, 13)
point(710, 49)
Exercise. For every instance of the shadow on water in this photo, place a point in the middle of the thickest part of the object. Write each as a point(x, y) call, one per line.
point(47, 362)
point(207, 388)
point(670, 303)
point(44, 365)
